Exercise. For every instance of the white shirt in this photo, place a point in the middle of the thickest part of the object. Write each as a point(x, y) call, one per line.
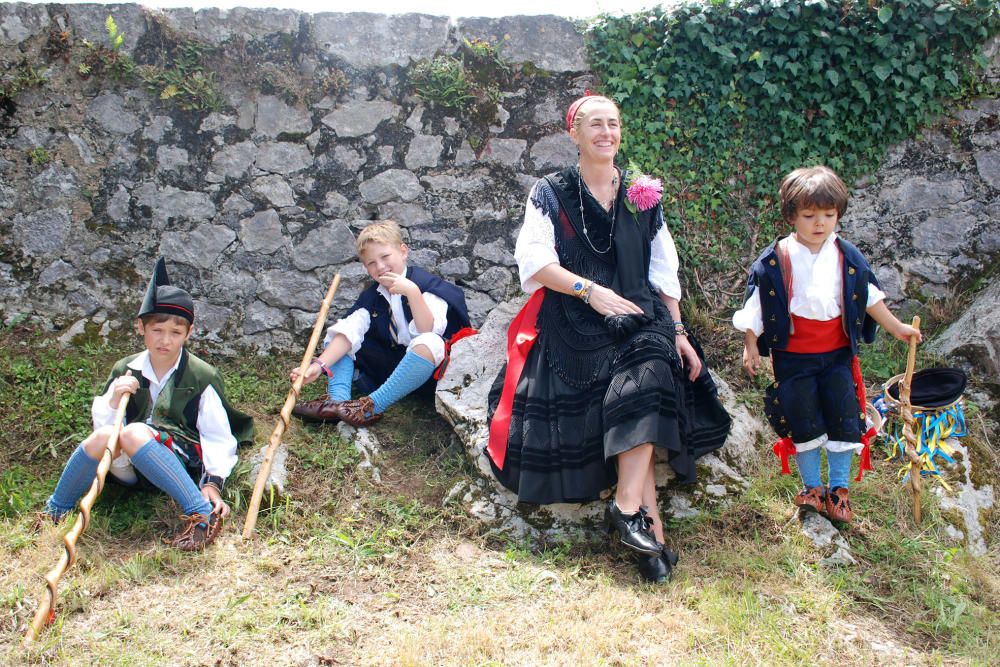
point(218, 445)
point(817, 286)
point(536, 248)
point(355, 326)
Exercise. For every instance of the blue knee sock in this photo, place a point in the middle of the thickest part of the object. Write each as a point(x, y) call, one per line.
point(161, 467)
point(75, 480)
point(840, 468)
point(808, 464)
point(339, 384)
point(411, 372)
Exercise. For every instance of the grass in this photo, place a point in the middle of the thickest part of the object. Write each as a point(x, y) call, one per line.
point(347, 570)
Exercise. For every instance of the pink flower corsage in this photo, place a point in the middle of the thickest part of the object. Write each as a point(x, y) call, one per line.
point(643, 193)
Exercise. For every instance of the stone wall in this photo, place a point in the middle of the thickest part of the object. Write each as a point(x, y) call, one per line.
point(256, 207)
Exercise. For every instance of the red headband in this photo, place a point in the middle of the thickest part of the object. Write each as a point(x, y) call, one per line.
point(573, 108)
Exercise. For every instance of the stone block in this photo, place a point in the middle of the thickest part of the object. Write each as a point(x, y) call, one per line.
point(262, 233)
point(330, 244)
point(356, 118)
point(377, 40)
point(551, 43)
point(201, 247)
point(390, 185)
point(553, 152)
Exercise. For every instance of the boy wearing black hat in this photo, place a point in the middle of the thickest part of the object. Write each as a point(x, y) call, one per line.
point(179, 428)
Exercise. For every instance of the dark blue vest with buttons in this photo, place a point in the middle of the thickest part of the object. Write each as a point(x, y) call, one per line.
point(380, 353)
point(765, 275)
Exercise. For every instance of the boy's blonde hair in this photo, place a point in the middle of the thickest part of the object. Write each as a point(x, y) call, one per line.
point(384, 231)
point(812, 187)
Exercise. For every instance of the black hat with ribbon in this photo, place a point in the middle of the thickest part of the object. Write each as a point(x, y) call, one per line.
point(162, 297)
point(934, 387)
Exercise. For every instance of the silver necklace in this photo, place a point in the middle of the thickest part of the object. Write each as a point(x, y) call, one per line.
point(583, 220)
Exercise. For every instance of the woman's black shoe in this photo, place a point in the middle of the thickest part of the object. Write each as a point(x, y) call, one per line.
point(631, 529)
point(658, 569)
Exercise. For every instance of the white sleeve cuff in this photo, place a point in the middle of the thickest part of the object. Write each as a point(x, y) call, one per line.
point(750, 315)
point(218, 445)
point(438, 308)
point(353, 327)
point(874, 295)
point(101, 412)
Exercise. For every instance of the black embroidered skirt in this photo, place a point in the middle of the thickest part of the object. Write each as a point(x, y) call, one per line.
point(563, 440)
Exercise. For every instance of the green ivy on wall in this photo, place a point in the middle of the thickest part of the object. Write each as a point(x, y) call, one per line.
point(724, 98)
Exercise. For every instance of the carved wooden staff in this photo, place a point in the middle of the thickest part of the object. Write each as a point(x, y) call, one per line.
point(286, 412)
point(46, 606)
point(909, 431)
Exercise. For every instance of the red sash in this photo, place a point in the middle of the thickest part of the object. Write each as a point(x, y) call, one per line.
point(815, 336)
point(521, 337)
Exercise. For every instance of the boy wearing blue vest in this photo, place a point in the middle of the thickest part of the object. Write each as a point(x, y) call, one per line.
point(811, 299)
point(180, 433)
point(391, 340)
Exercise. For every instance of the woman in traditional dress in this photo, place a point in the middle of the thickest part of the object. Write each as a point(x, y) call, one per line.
point(601, 370)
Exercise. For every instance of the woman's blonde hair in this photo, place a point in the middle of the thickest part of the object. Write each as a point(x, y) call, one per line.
point(581, 111)
point(383, 231)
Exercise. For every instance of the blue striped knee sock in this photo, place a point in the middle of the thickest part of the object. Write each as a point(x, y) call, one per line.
point(411, 372)
point(161, 467)
point(75, 480)
point(840, 468)
point(809, 464)
point(339, 385)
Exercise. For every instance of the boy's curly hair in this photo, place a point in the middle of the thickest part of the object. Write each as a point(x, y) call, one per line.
point(812, 187)
point(384, 231)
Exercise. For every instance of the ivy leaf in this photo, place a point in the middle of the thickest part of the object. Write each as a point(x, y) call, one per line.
point(882, 71)
point(885, 14)
point(638, 39)
point(834, 78)
point(951, 76)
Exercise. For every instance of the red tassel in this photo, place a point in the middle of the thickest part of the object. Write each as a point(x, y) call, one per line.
point(783, 449)
point(866, 451)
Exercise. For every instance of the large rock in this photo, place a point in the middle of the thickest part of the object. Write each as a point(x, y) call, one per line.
point(461, 399)
point(19, 21)
point(975, 336)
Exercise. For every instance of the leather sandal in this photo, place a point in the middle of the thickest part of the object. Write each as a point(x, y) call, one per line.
point(813, 499)
point(632, 529)
point(359, 412)
point(198, 532)
point(838, 507)
point(323, 410)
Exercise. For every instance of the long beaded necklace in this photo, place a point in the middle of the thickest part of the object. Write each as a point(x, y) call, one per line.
point(613, 211)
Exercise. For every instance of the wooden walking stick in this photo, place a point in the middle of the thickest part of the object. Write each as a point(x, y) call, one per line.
point(46, 606)
point(909, 432)
point(286, 412)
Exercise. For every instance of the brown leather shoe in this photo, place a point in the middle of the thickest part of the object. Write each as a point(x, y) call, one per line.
point(838, 507)
point(198, 532)
point(323, 410)
point(359, 412)
point(812, 499)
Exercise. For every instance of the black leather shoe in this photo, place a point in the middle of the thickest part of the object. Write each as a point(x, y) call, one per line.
point(632, 529)
point(660, 568)
point(323, 410)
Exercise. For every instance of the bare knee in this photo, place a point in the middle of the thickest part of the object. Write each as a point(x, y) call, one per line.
point(423, 351)
point(133, 437)
point(96, 442)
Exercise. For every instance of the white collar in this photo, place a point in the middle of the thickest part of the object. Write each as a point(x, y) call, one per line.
point(793, 244)
point(141, 363)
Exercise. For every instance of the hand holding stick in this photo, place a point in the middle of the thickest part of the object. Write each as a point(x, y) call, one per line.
point(46, 606)
point(286, 412)
point(909, 431)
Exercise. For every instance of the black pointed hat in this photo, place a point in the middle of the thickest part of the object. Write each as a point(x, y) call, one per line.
point(162, 297)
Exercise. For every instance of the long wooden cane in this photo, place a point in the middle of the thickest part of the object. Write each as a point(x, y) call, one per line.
point(46, 606)
point(909, 431)
point(286, 412)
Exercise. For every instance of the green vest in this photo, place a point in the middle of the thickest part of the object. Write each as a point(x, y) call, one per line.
point(176, 408)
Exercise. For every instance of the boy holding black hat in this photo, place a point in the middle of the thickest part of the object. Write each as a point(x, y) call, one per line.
point(179, 428)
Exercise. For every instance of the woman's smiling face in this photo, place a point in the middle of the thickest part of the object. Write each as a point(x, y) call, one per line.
point(599, 132)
